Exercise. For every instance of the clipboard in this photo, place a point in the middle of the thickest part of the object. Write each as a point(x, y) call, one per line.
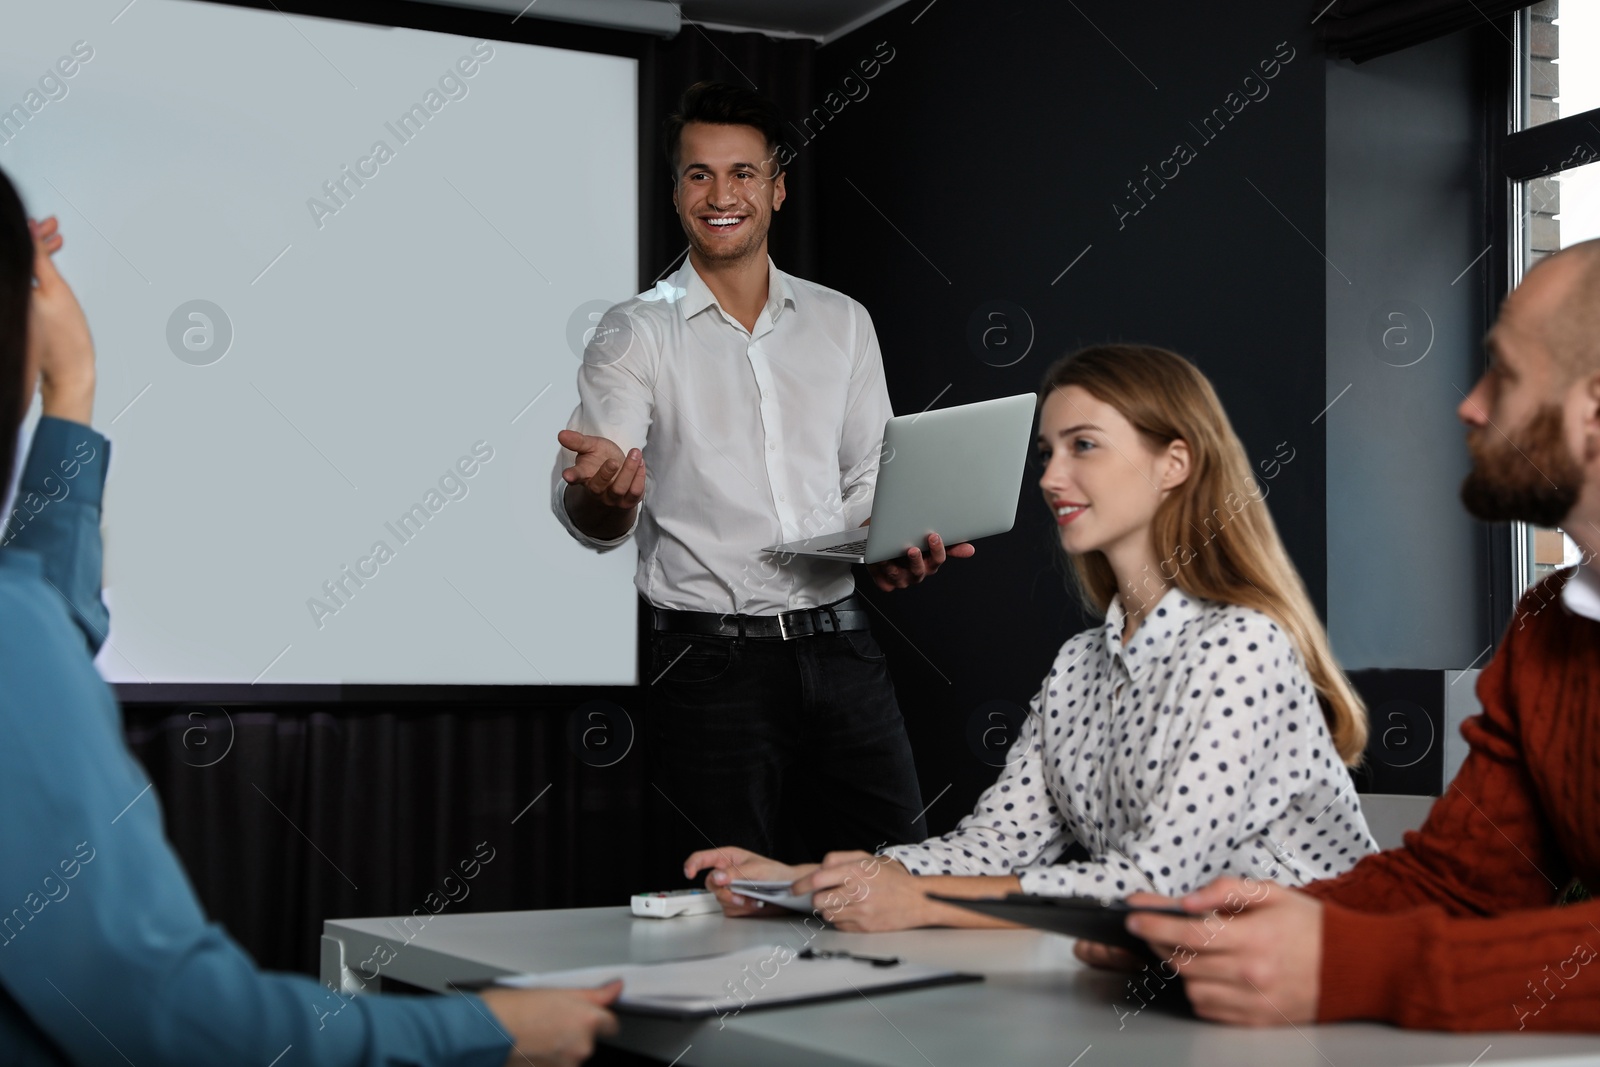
point(750, 979)
point(1086, 918)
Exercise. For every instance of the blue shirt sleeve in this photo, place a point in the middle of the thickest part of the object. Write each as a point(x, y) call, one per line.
point(57, 517)
point(105, 953)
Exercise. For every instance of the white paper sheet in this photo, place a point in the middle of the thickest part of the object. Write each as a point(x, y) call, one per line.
point(772, 893)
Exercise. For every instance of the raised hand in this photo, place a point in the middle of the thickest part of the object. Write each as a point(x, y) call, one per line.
point(60, 350)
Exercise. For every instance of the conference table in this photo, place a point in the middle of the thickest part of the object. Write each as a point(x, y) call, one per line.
point(1037, 1005)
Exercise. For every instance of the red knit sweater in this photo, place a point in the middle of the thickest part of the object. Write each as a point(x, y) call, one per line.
point(1456, 930)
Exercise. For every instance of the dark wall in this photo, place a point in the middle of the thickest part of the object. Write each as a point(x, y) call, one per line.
point(976, 166)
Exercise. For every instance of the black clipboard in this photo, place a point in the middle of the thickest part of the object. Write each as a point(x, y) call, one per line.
point(875, 976)
point(1085, 918)
point(656, 1011)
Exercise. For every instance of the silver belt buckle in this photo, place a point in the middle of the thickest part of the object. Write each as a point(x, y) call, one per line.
point(783, 626)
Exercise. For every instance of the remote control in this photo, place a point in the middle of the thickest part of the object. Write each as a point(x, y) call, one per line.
point(675, 902)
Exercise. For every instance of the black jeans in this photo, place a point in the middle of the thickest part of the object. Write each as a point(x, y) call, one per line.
point(786, 748)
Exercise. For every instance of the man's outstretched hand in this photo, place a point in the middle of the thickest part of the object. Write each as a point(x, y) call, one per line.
point(603, 486)
point(916, 566)
point(616, 480)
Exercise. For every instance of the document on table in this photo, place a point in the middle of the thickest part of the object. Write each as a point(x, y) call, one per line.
point(771, 893)
point(766, 976)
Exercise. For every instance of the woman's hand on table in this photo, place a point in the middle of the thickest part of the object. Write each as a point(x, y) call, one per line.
point(727, 865)
point(553, 1027)
point(859, 892)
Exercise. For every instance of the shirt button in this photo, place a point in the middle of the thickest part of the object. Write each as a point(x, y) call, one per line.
point(781, 497)
point(772, 448)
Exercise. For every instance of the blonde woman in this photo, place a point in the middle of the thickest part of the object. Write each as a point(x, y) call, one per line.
point(1204, 729)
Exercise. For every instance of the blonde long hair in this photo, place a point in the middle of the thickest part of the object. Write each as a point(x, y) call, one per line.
point(1239, 561)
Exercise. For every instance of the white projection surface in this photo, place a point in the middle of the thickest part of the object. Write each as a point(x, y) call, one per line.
point(338, 277)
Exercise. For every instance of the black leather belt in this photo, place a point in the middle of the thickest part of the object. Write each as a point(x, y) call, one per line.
point(838, 617)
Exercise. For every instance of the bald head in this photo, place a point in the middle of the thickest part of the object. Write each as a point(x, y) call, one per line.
point(1562, 305)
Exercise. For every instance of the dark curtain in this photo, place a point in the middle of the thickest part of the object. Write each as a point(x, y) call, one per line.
point(1365, 29)
point(286, 815)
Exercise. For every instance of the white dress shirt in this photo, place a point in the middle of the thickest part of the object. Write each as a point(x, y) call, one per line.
point(750, 437)
point(1196, 751)
point(1581, 593)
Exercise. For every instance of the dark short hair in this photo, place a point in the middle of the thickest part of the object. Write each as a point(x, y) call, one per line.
point(726, 105)
point(16, 293)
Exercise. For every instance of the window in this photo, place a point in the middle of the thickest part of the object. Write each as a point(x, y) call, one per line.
point(1552, 161)
point(1557, 55)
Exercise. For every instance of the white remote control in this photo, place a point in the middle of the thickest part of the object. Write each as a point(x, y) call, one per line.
point(675, 902)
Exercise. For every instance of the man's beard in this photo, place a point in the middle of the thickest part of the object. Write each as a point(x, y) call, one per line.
point(720, 253)
point(1533, 480)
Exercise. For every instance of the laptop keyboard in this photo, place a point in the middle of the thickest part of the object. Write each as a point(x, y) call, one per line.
point(854, 548)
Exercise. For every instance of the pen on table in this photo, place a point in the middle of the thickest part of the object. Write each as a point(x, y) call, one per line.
point(834, 954)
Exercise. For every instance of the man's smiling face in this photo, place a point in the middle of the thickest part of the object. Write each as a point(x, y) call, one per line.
point(726, 193)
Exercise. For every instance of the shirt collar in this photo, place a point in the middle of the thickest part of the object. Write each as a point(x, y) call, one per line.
point(693, 295)
point(1156, 635)
point(1581, 594)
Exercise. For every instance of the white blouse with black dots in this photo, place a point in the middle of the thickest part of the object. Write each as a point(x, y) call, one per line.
point(1198, 750)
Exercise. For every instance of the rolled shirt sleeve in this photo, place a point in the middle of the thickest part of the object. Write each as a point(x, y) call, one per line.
point(1015, 825)
point(615, 401)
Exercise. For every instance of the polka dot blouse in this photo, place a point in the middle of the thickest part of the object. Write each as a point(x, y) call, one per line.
point(1196, 751)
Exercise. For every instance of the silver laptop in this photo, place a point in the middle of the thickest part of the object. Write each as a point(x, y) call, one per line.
point(954, 472)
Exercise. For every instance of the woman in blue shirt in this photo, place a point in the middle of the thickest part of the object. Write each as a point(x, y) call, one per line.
point(105, 954)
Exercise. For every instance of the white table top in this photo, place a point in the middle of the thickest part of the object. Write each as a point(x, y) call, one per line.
point(1037, 1006)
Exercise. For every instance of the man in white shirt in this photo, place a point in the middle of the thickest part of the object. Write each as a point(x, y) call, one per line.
point(760, 399)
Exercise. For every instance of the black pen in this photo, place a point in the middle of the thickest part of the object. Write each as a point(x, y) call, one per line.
point(828, 954)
